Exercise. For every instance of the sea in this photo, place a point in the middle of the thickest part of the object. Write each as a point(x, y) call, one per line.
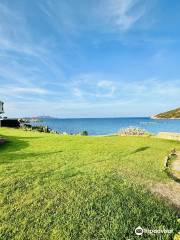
point(107, 126)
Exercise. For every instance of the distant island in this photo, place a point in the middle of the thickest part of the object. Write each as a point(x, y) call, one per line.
point(172, 114)
point(42, 117)
point(34, 119)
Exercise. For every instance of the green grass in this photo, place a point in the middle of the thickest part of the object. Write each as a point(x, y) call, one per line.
point(74, 187)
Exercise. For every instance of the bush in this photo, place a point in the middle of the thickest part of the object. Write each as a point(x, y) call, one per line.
point(133, 131)
point(44, 129)
point(29, 127)
point(23, 120)
point(26, 127)
point(84, 133)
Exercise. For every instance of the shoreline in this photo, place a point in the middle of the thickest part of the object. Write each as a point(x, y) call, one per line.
point(107, 132)
point(156, 118)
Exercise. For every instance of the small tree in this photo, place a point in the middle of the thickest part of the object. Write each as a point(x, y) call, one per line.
point(84, 133)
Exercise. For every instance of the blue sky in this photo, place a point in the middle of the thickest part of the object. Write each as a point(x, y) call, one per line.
point(89, 58)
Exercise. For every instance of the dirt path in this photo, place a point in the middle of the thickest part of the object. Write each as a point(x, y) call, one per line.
point(171, 191)
point(176, 166)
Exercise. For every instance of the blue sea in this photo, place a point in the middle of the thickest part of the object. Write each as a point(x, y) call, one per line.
point(104, 126)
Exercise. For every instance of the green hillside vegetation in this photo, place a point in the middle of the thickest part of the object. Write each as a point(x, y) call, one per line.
point(57, 187)
point(170, 114)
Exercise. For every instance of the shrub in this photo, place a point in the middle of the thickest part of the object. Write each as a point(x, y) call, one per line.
point(84, 133)
point(29, 127)
point(44, 129)
point(24, 120)
point(26, 127)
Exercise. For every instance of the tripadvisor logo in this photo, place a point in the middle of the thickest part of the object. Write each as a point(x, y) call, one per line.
point(139, 231)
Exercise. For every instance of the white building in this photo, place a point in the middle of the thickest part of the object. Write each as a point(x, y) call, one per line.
point(1, 107)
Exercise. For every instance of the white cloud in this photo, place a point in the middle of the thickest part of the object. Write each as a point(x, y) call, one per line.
point(130, 98)
point(121, 13)
point(77, 92)
point(94, 85)
point(34, 90)
point(25, 66)
point(17, 37)
point(101, 16)
point(31, 73)
point(107, 87)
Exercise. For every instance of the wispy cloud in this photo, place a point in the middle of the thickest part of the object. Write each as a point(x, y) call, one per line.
point(29, 90)
point(77, 92)
point(122, 13)
point(14, 34)
point(48, 59)
point(26, 65)
point(107, 88)
point(16, 39)
point(95, 85)
point(103, 15)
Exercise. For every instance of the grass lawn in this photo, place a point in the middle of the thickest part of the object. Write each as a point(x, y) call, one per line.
point(74, 187)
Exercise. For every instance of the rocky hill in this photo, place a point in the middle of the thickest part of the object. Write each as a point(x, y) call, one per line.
point(172, 114)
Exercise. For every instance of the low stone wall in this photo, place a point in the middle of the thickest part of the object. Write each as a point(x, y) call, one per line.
point(169, 135)
point(171, 171)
